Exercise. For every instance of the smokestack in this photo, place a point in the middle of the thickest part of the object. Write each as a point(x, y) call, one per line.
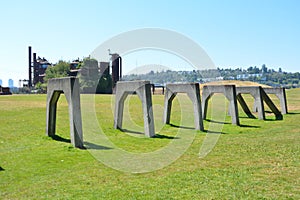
point(115, 66)
point(29, 68)
point(120, 67)
point(34, 69)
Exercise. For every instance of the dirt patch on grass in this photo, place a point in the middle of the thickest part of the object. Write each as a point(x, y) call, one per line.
point(234, 82)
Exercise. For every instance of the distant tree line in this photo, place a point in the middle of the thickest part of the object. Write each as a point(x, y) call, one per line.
point(90, 75)
point(261, 75)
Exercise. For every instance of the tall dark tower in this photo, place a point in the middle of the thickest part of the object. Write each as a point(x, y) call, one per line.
point(29, 68)
point(35, 70)
point(116, 61)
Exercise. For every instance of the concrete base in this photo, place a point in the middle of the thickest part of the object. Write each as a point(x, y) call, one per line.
point(193, 92)
point(143, 90)
point(271, 105)
point(256, 92)
point(157, 86)
point(260, 97)
point(70, 87)
point(280, 93)
point(230, 93)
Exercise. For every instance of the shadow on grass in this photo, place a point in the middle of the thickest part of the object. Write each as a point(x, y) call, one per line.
point(1, 169)
point(89, 145)
point(60, 139)
point(293, 113)
point(184, 127)
point(272, 120)
point(249, 126)
point(214, 132)
point(251, 116)
point(268, 111)
point(246, 117)
point(159, 136)
point(277, 118)
point(217, 122)
point(131, 131)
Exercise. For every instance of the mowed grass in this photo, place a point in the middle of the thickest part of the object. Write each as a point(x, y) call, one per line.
point(258, 160)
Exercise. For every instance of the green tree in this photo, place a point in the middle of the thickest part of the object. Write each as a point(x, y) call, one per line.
point(264, 69)
point(41, 87)
point(61, 69)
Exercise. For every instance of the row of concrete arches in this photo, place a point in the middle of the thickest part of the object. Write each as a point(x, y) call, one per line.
point(70, 87)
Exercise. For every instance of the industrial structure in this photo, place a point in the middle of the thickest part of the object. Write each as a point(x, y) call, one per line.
point(116, 67)
point(37, 68)
point(5, 90)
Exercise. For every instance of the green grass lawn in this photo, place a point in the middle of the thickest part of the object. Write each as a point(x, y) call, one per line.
point(259, 160)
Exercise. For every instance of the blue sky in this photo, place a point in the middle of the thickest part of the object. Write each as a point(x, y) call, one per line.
point(233, 33)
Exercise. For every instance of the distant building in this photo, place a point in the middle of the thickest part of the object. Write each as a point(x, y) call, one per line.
point(4, 91)
point(75, 64)
point(10, 83)
point(39, 70)
point(104, 68)
point(36, 68)
point(246, 76)
point(74, 67)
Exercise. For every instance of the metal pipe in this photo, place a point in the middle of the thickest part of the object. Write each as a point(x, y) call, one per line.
point(29, 68)
point(35, 74)
point(120, 64)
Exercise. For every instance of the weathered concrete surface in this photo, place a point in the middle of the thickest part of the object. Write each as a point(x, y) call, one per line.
point(157, 86)
point(256, 93)
point(193, 92)
point(271, 105)
point(143, 90)
point(280, 93)
point(229, 92)
point(260, 97)
point(70, 87)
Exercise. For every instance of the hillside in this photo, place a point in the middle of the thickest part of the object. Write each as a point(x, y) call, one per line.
point(235, 82)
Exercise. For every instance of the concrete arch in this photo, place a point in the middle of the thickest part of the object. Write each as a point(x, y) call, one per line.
point(281, 95)
point(143, 90)
point(193, 92)
point(229, 92)
point(70, 87)
point(260, 96)
point(256, 93)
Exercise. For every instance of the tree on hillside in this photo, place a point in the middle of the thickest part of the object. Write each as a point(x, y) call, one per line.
point(264, 69)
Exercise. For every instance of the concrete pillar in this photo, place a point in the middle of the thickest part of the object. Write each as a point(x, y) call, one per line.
point(271, 105)
point(244, 106)
point(70, 87)
point(280, 93)
point(256, 93)
point(143, 90)
point(260, 97)
point(193, 92)
point(230, 93)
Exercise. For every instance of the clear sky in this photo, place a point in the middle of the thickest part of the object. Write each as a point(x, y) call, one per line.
point(234, 34)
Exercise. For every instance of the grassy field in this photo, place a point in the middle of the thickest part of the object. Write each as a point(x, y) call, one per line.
point(258, 160)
